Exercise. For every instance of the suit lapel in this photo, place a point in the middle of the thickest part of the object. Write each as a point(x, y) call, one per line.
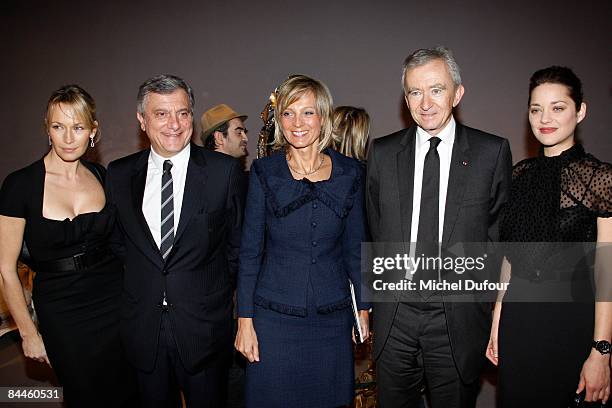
point(405, 180)
point(139, 178)
point(457, 181)
point(193, 195)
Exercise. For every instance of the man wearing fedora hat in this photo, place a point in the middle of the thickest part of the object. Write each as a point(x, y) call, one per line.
point(223, 130)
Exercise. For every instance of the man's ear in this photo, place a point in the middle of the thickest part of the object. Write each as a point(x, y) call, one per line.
point(141, 120)
point(219, 140)
point(459, 91)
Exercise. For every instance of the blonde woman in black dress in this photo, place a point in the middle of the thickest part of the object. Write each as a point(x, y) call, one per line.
point(57, 205)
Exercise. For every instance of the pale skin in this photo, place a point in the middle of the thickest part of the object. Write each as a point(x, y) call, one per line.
point(301, 126)
point(595, 373)
point(70, 189)
point(553, 118)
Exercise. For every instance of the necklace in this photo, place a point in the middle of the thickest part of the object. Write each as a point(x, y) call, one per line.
point(308, 173)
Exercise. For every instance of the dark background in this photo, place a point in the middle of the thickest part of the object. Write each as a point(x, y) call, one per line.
point(236, 52)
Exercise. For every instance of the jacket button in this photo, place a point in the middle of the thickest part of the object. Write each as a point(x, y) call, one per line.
point(314, 261)
point(314, 243)
point(314, 205)
point(314, 224)
point(165, 272)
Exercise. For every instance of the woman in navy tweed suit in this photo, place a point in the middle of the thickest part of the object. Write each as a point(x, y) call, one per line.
point(303, 228)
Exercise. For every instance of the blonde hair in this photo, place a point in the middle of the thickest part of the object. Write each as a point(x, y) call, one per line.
point(293, 89)
point(80, 101)
point(351, 131)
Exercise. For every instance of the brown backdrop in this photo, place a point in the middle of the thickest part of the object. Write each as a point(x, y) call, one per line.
point(237, 52)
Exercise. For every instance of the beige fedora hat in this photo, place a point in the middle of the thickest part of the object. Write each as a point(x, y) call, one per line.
point(216, 116)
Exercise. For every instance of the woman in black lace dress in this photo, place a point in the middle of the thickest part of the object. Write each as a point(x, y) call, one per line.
point(546, 349)
point(57, 205)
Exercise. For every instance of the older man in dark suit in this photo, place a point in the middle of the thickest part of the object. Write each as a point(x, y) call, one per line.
point(436, 182)
point(179, 211)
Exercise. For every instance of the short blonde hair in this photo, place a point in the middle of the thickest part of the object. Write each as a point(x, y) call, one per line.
point(80, 101)
point(293, 89)
point(351, 131)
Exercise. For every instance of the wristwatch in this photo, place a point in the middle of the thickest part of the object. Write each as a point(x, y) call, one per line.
point(603, 346)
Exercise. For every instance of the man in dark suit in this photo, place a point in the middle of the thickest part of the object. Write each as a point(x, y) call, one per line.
point(179, 211)
point(436, 182)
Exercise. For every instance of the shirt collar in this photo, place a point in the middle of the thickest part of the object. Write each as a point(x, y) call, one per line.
point(447, 135)
point(180, 159)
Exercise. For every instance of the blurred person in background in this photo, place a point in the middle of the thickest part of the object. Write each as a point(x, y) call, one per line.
point(351, 129)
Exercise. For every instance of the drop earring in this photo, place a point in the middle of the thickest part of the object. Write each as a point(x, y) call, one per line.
point(91, 142)
point(49, 140)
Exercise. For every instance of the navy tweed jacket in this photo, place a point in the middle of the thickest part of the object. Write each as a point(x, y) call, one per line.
point(298, 232)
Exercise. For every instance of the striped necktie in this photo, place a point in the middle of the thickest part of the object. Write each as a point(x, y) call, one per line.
point(167, 211)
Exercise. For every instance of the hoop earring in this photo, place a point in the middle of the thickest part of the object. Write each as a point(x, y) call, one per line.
point(91, 141)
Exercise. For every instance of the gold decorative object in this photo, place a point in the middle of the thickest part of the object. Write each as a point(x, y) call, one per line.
point(266, 134)
point(365, 383)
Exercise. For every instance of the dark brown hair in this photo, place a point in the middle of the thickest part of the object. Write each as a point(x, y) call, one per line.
point(558, 75)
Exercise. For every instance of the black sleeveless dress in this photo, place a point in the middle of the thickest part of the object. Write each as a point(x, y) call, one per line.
point(542, 345)
point(78, 310)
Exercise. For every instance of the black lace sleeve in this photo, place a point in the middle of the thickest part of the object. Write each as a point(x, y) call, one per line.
point(589, 182)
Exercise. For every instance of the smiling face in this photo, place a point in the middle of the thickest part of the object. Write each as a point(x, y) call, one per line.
point(69, 134)
point(553, 117)
point(431, 95)
point(301, 122)
point(167, 120)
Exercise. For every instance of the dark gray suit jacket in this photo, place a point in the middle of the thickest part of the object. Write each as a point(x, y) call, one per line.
point(480, 174)
point(198, 271)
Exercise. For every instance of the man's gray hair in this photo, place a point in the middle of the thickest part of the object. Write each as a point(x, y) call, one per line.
point(425, 55)
point(163, 84)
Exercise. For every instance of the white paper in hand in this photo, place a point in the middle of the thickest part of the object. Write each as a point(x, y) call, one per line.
point(358, 329)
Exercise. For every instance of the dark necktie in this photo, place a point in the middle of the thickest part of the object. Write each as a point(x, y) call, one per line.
point(167, 211)
point(428, 234)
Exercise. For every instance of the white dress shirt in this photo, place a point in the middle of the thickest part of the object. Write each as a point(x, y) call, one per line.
point(151, 202)
point(445, 151)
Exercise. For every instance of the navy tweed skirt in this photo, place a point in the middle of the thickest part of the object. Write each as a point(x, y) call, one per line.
point(304, 361)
